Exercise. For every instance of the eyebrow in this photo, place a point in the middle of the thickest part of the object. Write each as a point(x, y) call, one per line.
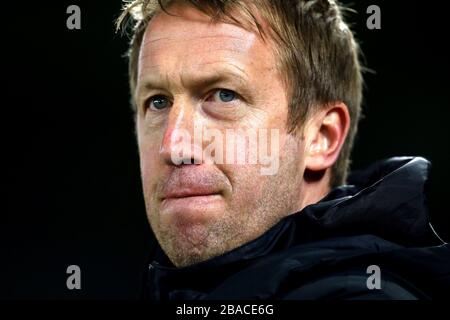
point(155, 80)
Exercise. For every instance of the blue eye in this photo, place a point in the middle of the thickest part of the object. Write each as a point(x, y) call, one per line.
point(226, 95)
point(158, 102)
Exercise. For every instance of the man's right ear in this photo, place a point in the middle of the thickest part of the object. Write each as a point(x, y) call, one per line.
point(325, 135)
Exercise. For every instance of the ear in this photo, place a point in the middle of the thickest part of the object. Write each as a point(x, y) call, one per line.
point(325, 136)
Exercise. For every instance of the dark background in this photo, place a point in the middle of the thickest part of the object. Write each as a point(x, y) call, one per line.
point(71, 190)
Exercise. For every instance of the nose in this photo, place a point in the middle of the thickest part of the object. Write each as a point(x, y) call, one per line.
point(182, 142)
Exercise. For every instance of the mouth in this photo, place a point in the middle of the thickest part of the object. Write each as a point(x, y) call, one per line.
point(192, 202)
point(184, 194)
point(192, 206)
point(192, 192)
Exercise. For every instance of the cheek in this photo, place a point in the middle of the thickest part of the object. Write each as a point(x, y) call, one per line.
point(150, 163)
point(247, 184)
point(247, 180)
point(292, 158)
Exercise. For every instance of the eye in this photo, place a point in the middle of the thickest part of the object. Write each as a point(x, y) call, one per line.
point(157, 102)
point(224, 95)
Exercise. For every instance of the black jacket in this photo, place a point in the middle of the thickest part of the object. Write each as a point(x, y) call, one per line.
point(380, 218)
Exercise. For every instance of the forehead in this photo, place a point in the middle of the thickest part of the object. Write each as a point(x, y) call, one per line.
point(189, 39)
point(187, 24)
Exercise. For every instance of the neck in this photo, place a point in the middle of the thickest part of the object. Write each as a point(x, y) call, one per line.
point(315, 187)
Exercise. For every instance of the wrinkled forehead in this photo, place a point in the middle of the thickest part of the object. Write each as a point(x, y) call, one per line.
point(183, 34)
point(190, 28)
point(189, 31)
point(184, 18)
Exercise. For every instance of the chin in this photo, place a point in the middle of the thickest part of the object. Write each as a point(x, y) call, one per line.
point(183, 256)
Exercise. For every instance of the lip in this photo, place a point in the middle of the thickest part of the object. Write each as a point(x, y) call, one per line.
point(189, 193)
point(192, 188)
point(191, 207)
point(192, 201)
point(187, 200)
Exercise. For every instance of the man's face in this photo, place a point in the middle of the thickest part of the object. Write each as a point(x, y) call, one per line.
point(196, 75)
